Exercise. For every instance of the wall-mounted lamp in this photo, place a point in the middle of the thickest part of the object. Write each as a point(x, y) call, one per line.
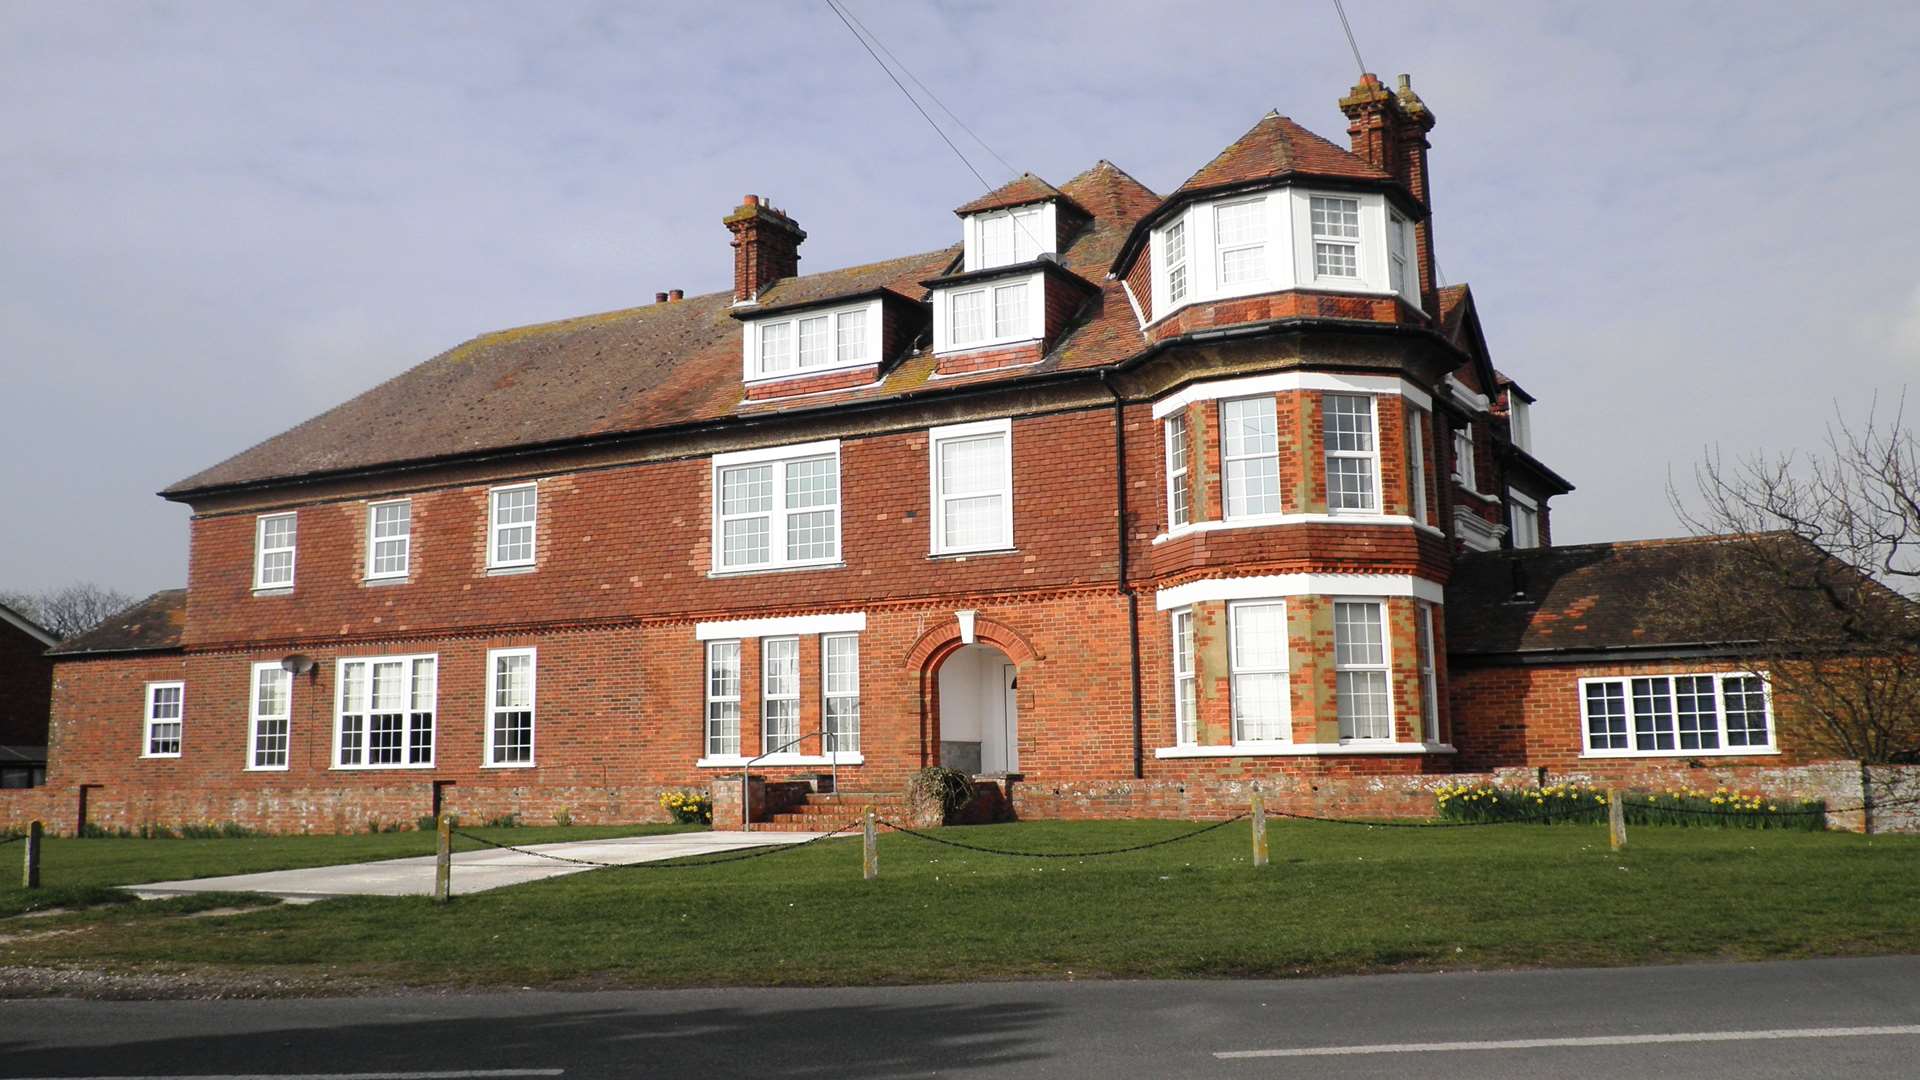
point(298, 664)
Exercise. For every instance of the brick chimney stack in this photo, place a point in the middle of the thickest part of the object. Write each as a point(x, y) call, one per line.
point(766, 247)
point(1389, 129)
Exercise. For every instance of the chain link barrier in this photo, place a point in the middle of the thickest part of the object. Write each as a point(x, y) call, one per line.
point(1877, 806)
point(930, 838)
point(5, 840)
point(678, 862)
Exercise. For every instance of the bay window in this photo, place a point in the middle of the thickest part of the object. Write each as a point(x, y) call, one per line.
point(1336, 236)
point(1250, 456)
point(1429, 681)
point(1353, 453)
point(1360, 665)
point(1706, 714)
point(1179, 493)
point(1417, 463)
point(1262, 700)
point(1240, 239)
point(776, 508)
point(385, 712)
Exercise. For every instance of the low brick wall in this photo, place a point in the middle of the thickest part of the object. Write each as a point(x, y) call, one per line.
point(356, 808)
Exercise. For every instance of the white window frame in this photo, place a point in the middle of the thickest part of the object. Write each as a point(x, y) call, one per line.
point(768, 696)
point(256, 718)
point(405, 540)
point(1033, 233)
point(753, 369)
point(1180, 288)
point(1384, 667)
point(717, 703)
point(260, 551)
point(1236, 669)
point(1031, 326)
point(1186, 683)
point(495, 527)
point(1417, 462)
point(1632, 733)
point(1264, 279)
point(148, 720)
point(493, 710)
point(1429, 674)
point(777, 460)
point(1228, 510)
point(409, 714)
point(1401, 262)
point(1463, 464)
point(1179, 471)
point(1526, 519)
point(938, 518)
point(1356, 242)
point(1520, 421)
point(1371, 456)
point(839, 741)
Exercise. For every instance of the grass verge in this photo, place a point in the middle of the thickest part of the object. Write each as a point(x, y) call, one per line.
point(1337, 899)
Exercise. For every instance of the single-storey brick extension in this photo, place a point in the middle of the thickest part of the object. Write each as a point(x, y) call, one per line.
point(1124, 500)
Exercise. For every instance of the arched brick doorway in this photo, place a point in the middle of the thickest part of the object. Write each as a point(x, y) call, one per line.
point(971, 681)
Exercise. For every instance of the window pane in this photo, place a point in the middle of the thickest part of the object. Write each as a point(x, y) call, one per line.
point(851, 342)
point(1260, 636)
point(1350, 483)
point(1349, 423)
point(1179, 497)
point(745, 542)
point(996, 240)
point(1335, 217)
point(973, 522)
point(1336, 260)
point(812, 483)
point(1260, 694)
point(1652, 714)
point(1606, 716)
point(813, 342)
point(746, 490)
point(969, 317)
point(1260, 707)
point(970, 466)
point(1249, 426)
point(776, 346)
point(1357, 637)
point(1746, 697)
point(1241, 265)
point(1364, 711)
point(1252, 467)
point(1240, 223)
point(513, 520)
point(1185, 701)
point(840, 667)
point(810, 536)
point(1697, 711)
point(391, 524)
point(1010, 310)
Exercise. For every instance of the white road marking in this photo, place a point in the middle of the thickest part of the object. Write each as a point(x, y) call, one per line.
point(1591, 1040)
point(456, 1074)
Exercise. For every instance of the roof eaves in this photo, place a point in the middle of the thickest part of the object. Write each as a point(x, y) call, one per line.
point(28, 626)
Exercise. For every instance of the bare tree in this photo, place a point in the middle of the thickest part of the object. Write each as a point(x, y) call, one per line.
point(70, 610)
point(1818, 583)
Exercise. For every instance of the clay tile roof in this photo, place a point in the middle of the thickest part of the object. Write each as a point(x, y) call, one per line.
point(1578, 598)
point(151, 625)
point(902, 276)
point(1021, 190)
point(1277, 147)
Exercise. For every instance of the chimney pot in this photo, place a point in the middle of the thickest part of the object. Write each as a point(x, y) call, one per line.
point(674, 296)
point(1406, 82)
point(659, 298)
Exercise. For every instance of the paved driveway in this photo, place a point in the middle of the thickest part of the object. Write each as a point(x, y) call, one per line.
point(473, 871)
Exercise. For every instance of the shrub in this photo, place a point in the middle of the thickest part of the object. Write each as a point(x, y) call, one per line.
point(225, 830)
point(562, 818)
point(504, 821)
point(951, 788)
point(688, 807)
point(1584, 804)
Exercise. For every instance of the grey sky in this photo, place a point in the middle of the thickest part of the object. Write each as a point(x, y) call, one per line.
point(1685, 224)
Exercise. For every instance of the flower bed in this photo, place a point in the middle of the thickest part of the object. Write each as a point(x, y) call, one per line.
point(688, 807)
point(1583, 803)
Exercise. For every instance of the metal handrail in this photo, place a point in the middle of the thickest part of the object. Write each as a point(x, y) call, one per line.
point(833, 763)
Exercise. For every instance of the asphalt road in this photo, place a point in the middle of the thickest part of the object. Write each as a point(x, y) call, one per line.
point(1823, 1018)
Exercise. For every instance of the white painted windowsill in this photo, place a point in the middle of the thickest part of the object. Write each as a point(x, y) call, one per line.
point(1734, 751)
point(781, 761)
point(1257, 521)
point(1302, 750)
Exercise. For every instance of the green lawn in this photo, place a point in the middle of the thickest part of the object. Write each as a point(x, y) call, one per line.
point(1336, 899)
point(82, 871)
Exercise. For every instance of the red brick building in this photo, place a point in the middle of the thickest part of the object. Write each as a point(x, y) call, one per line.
point(1126, 499)
point(26, 694)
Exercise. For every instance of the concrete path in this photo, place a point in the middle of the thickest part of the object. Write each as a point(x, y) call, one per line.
point(473, 871)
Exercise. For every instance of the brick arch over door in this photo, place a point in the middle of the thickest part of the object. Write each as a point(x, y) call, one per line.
point(942, 641)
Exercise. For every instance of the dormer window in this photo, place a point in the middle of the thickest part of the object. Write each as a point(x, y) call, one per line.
point(1399, 253)
point(1336, 237)
point(802, 343)
point(1007, 237)
point(1240, 235)
point(993, 312)
point(1173, 244)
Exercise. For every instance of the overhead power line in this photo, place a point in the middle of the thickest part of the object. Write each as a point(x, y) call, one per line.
point(1351, 44)
point(909, 95)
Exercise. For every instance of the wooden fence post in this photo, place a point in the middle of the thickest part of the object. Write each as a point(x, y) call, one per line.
point(443, 864)
point(1616, 819)
point(1259, 828)
point(870, 853)
point(30, 874)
